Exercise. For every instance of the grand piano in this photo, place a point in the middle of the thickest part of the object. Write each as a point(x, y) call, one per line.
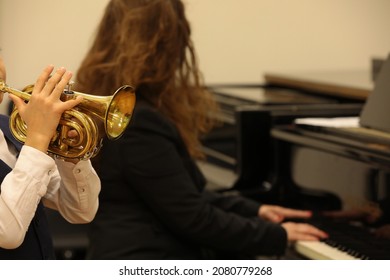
point(239, 148)
point(240, 151)
point(269, 159)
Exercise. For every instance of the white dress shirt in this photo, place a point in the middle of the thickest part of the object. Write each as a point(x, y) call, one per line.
point(72, 189)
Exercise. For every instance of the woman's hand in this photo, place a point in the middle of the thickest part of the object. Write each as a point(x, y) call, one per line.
point(383, 231)
point(368, 213)
point(278, 214)
point(43, 111)
point(306, 232)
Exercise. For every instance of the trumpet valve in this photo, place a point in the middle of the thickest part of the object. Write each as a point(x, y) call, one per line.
point(63, 136)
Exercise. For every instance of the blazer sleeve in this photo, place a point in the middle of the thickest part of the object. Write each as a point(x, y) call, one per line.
point(156, 169)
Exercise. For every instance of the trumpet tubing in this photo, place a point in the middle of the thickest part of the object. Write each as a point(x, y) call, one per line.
point(91, 120)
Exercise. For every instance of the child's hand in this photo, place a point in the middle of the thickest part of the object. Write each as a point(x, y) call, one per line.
point(43, 111)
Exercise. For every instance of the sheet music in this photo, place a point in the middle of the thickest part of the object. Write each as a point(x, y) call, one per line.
point(330, 122)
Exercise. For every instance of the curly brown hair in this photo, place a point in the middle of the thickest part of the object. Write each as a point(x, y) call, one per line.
point(147, 44)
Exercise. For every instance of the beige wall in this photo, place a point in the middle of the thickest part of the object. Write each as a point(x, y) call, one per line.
point(237, 40)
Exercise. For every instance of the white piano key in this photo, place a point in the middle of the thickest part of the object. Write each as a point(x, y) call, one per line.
point(317, 250)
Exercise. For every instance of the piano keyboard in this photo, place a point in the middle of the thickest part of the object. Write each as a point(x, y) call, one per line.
point(345, 242)
point(318, 250)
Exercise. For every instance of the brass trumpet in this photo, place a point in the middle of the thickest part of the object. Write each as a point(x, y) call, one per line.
point(93, 118)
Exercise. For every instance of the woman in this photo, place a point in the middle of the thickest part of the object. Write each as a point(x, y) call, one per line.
point(31, 180)
point(153, 202)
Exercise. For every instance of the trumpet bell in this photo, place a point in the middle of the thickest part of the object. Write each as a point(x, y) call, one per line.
point(119, 112)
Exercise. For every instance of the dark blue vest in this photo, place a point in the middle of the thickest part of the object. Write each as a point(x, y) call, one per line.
point(37, 243)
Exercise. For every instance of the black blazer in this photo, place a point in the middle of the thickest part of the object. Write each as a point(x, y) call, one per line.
point(37, 243)
point(153, 204)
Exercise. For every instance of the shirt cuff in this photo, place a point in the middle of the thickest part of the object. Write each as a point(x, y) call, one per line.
point(35, 163)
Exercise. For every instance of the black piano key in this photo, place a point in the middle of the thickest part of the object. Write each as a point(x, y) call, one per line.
point(354, 240)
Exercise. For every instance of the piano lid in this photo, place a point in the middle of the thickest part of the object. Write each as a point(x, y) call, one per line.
point(354, 85)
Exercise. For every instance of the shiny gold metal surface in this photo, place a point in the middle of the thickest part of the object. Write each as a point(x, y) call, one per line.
point(92, 119)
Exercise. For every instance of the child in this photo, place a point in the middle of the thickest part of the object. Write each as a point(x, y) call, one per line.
point(31, 180)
